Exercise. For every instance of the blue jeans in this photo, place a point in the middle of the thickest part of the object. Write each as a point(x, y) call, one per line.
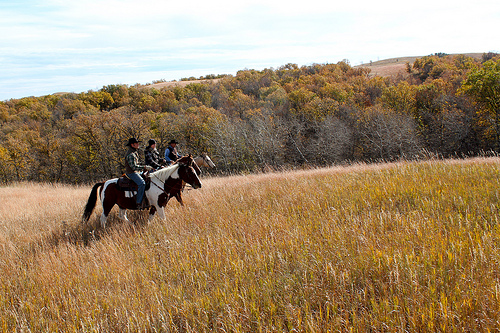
point(140, 182)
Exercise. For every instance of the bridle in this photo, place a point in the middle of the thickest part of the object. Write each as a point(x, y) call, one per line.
point(204, 157)
point(164, 182)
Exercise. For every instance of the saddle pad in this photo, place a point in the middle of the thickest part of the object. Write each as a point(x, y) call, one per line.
point(130, 194)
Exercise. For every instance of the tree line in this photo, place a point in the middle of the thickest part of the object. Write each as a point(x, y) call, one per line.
point(257, 120)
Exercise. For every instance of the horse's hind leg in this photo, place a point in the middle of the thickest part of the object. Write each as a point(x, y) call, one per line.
point(106, 208)
point(103, 220)
point(122, 214)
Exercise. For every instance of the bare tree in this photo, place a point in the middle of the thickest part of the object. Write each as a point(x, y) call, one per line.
point(386, 134)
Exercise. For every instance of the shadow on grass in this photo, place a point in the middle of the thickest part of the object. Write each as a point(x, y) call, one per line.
point(86, 233)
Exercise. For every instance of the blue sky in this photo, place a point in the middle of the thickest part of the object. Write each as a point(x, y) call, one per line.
point(49, 46)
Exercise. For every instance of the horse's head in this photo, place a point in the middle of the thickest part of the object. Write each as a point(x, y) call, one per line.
point(189, 161)
point(202, 160)
point(206, 161)
point(189, 171)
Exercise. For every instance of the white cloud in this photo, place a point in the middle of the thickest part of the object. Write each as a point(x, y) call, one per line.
point(55, 45)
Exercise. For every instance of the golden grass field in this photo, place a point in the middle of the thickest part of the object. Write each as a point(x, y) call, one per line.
point(401, 247)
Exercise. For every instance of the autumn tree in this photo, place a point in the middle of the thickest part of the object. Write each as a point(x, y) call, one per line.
point(483, 85)
point(316, 114)
point(101, 99)
point(400, 98)
point(387, 134)
point(196, 128)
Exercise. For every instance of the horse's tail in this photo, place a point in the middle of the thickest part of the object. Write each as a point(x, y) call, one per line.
point(89, 207)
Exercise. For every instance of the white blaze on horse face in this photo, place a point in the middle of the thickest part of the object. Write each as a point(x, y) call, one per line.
point(210, 163)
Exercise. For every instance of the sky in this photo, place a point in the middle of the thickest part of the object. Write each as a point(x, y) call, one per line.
point(49, 46)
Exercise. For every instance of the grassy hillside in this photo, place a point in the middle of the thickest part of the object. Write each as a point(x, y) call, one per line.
point(387, 247)
point(395, 66)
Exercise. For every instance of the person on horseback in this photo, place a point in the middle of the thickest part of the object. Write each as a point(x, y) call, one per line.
point(152, 156)
point(132, 169)
point(171, 154)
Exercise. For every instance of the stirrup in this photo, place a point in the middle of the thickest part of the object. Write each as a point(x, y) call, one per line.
point(143, 205)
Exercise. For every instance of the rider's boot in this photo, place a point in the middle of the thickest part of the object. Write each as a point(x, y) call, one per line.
point(144, 204)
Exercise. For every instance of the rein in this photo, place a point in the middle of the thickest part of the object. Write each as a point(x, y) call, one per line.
point(164, 182)
point(161, 188)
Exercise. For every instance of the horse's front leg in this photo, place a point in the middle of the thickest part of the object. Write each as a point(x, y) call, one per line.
point(152, 212)
point(179, 198)
point(159, 209)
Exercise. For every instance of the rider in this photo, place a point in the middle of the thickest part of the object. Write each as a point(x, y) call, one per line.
point(132, 169)
point(171, 154)
point(152, 156)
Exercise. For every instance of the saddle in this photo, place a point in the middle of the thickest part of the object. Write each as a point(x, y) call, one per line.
point(126, 184)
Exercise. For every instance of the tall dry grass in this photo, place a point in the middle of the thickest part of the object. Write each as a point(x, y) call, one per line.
point(397, 247)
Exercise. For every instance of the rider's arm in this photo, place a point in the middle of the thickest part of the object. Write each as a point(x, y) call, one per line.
point(167, 159)
point(133, 162)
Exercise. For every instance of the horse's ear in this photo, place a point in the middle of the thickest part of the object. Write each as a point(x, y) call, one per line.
point(190, 160)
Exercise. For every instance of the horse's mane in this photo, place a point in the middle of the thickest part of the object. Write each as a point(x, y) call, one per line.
point(187, 159)
point(164, 173)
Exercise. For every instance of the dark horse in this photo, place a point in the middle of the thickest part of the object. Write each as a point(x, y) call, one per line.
point(165, 184)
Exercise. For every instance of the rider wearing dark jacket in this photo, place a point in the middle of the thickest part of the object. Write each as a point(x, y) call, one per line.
point(152, 156)
point(132, 169)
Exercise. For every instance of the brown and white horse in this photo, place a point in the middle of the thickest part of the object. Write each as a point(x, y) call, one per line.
point(165, 184)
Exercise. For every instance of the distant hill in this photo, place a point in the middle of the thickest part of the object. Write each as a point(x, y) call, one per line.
point(385, 68)
point(179, 83)
point(389, 67)
point(394, 66)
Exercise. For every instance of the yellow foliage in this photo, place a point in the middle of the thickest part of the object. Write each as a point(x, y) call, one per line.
point(400, 98)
